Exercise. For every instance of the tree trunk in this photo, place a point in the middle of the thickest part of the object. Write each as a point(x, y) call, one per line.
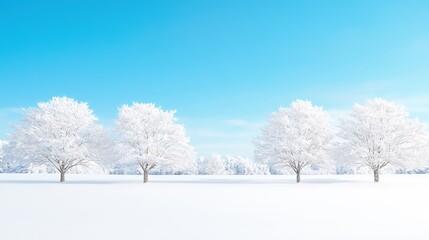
point(376, 175)
point(145, 175)
point(298, 176)
point(62, 176)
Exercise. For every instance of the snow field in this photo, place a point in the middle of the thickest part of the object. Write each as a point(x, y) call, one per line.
point(213, 207)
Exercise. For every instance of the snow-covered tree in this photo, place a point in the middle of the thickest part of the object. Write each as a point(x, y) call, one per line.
point(213, 165)
point(61, 134)
point(295, 137)
point(9, 163)
point(152, 137)
point(381, 133)
point(231, 165)
point(2, 145)
point(237, 165)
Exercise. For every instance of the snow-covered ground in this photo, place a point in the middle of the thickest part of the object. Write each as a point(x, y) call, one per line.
point(213, 207)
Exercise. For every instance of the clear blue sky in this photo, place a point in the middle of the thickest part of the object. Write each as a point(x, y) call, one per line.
point(224, 65)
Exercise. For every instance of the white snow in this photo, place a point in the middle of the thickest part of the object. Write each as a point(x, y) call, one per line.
point(331, 207)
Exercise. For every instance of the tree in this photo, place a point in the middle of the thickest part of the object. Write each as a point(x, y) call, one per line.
point(212, 165)
point(151, 137)
point(380, 133)
point(231, 165)
point(237, 165)
point(295, 137)
point(61, 133)
point(2, 145)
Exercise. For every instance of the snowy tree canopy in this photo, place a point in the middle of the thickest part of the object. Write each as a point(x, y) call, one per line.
point(212, 165)
point(215, 164)
point(380, 133)
point(295, 137)
point(2, 145)
point(152, 137)
point(61, 133)
point(237, 165)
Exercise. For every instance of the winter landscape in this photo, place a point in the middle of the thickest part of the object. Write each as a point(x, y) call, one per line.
point(214, 207)
point(214, 120)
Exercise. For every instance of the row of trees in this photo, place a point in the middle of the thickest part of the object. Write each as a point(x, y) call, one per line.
point(63, 135)
point(375, 135)
point(215, 164)
point(230, 165)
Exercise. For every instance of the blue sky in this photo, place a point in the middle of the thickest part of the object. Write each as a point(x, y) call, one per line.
point(224, 65)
